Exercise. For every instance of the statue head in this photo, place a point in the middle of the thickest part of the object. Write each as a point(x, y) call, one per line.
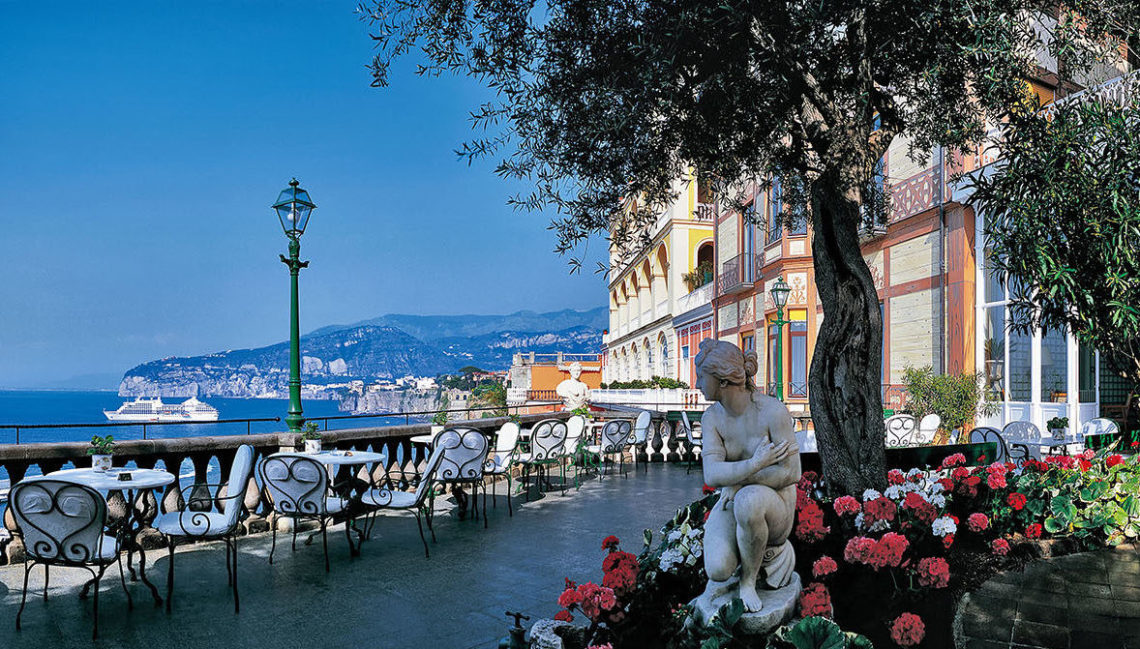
point(575, 370)
point(721, 365)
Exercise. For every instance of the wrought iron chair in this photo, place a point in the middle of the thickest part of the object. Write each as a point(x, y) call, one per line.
point(1023, 436)
point(615, 439)
point(901, 430)
point(63, 524)
point(417, 501)
point(213, 517)
point(547, 448)
point(297, 487)
point(1098, 433)
point(695, 441)
point(464, 456)
point(575, 427)
point(983, 434)
point(640, 438)
point(927, 429)
point(501, 461)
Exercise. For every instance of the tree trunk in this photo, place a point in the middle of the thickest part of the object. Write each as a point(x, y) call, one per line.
point(845, 379)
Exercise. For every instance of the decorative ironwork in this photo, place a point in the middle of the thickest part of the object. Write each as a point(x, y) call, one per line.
point(1005, 453)
point(901, 430)
point(63, 525)
point(736, 274)
point(915, 194)
point(384, 497)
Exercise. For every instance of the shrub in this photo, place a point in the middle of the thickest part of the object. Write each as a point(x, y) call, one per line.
point(956, 399)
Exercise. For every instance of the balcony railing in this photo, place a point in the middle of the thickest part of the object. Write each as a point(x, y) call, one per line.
point(736, 274)
point(698, 298)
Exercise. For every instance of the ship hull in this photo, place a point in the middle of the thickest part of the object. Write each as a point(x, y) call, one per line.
point(115, 416)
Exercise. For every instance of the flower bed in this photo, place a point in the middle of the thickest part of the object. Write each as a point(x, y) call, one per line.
point(889, 565)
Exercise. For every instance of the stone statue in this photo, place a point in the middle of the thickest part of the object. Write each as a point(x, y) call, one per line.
point(750, 453)
point(573, 391)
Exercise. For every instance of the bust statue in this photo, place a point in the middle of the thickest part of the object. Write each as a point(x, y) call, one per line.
point(750, 453)
point(573, 391)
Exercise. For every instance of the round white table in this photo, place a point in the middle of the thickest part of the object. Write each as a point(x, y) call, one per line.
point(423, 439)
point(337, 458)
point(132, 482)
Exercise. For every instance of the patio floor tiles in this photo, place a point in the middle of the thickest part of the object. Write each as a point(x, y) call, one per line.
point(1089, 600)
point(390, 597)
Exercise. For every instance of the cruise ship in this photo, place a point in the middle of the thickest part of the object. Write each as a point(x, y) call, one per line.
point(153, 409)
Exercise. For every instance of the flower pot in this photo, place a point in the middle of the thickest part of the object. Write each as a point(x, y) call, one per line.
point(101, 463)
point(436, 430)
point(1058, 433)
point(312, 446)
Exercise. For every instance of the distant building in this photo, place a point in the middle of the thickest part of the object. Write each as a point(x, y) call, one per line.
point(533, 378)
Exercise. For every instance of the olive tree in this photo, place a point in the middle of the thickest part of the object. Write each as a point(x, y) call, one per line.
point(601, 105)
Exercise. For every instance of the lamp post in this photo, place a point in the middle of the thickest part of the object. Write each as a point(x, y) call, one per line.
point(293, 207)
point(779, 292)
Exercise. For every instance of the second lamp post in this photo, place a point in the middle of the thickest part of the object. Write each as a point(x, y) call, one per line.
point(293, 207)
point(779, 291)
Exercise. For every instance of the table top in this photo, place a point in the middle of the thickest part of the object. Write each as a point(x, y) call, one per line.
point(423, 439)
point(336, 458)
point(109, 480)
point(1049, 440)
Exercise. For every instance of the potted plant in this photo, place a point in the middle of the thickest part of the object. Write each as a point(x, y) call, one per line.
point(311, 437)
point(102, 448)
point(1057, 427)
point(438, 422)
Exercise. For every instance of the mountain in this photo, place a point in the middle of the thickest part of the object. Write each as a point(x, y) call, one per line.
point(368, 351)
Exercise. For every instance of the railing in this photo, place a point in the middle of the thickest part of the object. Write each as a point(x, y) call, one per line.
point(649, 396)
point(144, 425)
point(543, 395)
point(698, 298)
point(706, 212)
point(559, 358)
point(915, 194)
point(736, 274)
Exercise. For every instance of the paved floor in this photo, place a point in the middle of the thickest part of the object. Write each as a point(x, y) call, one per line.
point(1083, 600)
point(390, 598)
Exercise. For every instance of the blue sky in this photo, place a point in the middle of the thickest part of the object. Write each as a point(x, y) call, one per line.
point(141, 145)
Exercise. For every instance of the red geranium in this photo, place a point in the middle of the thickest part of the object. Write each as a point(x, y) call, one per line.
point(706, 490)
point(810, 527)
point(920, 507)
point(1016, 500)
point(1113, 460)
point(569, 597)
point(1085, 464)
point(969, 486)
point(859, 549)
point(564, 616)
point(908, 630)
point(846, 505)
point(947, 484)
point(815, 600)
point(978, 522)
point(888, 551)
point(960, 473)
point(823, 566)
point(879, 509)
point(1000, 547)
point(802, 499)
point(933, 572)
point(895, 476)
point(948, 541)
point(610, 542)
point(996, 481)
point(595, 600)
point(1033, 531)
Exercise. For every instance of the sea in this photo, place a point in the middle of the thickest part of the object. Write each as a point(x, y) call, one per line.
point(38, 407)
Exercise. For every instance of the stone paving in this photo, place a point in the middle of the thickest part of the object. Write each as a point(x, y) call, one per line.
point(1088, 600)
point(389, 598)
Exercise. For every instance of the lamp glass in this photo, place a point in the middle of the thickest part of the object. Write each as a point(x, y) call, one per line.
point(293, 208)
point(780, 291)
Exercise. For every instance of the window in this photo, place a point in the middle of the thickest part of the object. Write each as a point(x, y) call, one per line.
point(748, 342)
point(775, 209)
point(1086, 374)
point(797, 336)
point(773, 332)
point(1054, 366)
point(748, 247)
point(1020, 368)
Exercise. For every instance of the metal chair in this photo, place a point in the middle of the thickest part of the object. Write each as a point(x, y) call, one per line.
point(297, 487)
point(695, 440)
point(640, 438)
point(211, 517)
point(1023, 435)
point(1097, 434)
point(63, 525)
point(503, 458)
point(547, 447)
point(615, 439)
point(417, 501)
point(575, 427)
point(901, 430)
point(984, 434)
point(464, 456)
point(927, 429)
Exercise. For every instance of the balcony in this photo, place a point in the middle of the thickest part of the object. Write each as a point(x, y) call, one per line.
point(698, 298)
point(736, 274)
point(705, 212)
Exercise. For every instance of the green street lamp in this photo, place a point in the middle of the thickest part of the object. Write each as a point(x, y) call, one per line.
point(779, 292)
point(293, 207)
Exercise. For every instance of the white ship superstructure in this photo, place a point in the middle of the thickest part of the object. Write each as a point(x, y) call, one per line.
point(153, 409)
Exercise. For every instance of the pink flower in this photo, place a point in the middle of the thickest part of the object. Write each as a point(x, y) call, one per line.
point(823, 566)
point(895, 476)
point(954, 460)
point(815, 600)
point(846, 505)
point(933, 572)
point(564, 616)
point(996, 481)
point(1000, 547)
point(978, 522)
point(908, 630)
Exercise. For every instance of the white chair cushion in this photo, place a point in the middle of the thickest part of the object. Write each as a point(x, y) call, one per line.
point(335, 505)
point(192, 523)
point(110, 549)
point(497, 465)
point(394, 499)
point(523, 458)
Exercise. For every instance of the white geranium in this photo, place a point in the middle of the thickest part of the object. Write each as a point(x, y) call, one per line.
point(674, 536)
point(938, 500)
point(943, 526)
point(859, 521)
point(871, 494)
point(671, 558)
